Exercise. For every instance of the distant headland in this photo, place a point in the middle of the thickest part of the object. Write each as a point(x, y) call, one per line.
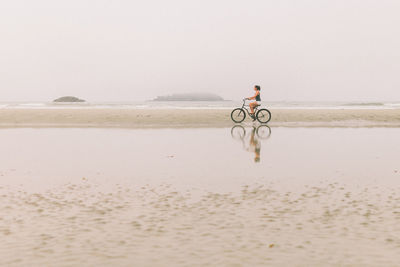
point(68, 99)
point(190, 97)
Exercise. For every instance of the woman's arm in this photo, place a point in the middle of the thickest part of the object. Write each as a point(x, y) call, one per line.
point(254, 97)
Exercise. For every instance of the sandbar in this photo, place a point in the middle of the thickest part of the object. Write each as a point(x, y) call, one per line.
point(182, 118)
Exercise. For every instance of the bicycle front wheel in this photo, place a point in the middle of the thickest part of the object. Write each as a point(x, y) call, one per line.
point(263, 115)
point(263, 131)
point(238, 115)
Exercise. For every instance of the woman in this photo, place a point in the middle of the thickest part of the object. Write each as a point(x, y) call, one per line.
point(255, 145)
point(257, 102)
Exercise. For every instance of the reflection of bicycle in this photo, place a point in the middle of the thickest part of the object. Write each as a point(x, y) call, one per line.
point(251, 142)
point(238, 132)
point(239, 114)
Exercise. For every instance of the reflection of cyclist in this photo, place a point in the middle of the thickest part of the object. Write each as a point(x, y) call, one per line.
point(257, 102)
point(252, 144)
point(255, 145)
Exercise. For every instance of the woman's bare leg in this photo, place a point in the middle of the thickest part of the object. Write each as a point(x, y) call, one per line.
point(252, 108)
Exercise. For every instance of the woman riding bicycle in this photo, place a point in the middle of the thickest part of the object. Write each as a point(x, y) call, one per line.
point(257, 102)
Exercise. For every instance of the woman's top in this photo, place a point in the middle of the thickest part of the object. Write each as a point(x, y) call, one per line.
point(258, 96)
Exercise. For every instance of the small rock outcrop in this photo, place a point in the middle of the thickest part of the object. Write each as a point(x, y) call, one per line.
point(68, 99)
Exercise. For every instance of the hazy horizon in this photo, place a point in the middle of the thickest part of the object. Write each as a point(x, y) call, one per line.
point(265, 100)
point(305, 50)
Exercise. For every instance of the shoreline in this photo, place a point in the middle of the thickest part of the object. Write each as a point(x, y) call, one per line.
point(192, 118)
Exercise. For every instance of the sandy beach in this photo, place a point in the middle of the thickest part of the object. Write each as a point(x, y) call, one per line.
point(160, 118)
point(126, 138)
point(80, 224)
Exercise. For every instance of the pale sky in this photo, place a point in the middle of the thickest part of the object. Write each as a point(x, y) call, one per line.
point(128, 50)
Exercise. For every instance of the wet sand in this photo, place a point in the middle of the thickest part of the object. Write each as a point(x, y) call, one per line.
point(159, 118)
point(79, 224)
point(196, 197)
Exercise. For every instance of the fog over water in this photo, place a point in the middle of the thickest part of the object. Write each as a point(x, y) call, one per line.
point(307, 50)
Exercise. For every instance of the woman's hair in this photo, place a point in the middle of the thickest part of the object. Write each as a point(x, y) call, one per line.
point(257, 87)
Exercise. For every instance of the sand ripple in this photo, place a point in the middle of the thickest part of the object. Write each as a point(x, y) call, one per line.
point(81, 224)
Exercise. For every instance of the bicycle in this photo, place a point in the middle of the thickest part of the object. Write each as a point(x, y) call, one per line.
point(238, 132)
point(239, 114)
point(251, 142)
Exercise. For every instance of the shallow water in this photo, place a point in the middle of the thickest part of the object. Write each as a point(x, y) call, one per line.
point(211, 159)
point(280, 196)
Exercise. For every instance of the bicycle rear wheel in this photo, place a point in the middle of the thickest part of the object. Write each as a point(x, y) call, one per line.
point(263, 115)
point(238, 132)
point(238, 115)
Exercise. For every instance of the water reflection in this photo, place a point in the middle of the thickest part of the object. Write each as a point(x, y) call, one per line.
point(251, 140)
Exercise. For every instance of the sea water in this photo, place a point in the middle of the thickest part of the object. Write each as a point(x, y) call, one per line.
point(198, 105)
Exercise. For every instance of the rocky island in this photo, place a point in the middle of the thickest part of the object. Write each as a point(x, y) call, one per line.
point(68, 99)
point(190, 97)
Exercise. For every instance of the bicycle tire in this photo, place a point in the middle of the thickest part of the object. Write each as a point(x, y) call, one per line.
point(263, 131)
point(238, 115)
point(238, 132)
point(263, 115)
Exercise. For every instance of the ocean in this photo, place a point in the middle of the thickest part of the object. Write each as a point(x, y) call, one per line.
point(198, 105)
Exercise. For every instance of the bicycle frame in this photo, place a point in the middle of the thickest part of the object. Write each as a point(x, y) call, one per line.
point(247, 110)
